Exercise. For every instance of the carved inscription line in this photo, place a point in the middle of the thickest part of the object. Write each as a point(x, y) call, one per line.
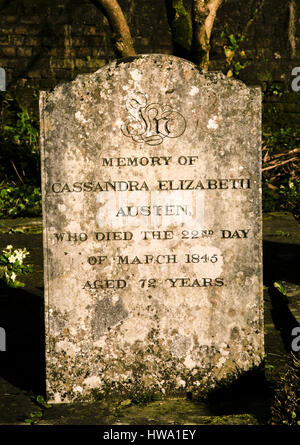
point(120, 283)
point(154, 235)
point(163, 184)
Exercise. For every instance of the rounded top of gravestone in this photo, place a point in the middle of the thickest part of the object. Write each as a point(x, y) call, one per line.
point(148, 99)
point(148, 65)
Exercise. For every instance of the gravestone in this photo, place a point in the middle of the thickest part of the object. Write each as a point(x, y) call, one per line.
point(2, 339)
point(2, 79)
point(152, 229)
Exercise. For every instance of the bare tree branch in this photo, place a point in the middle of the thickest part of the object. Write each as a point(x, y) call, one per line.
point(121, 34)
point(204, 16)
point(292, 28)
point(280, 164)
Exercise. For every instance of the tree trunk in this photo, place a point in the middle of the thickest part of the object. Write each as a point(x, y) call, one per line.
point(120, 31)
point(204, 14)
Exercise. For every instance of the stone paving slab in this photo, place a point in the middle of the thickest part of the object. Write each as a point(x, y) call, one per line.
point(281, 227)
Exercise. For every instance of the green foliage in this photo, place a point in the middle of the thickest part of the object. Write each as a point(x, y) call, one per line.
point(282, 289)
point(19, 160)
point(285, 408)
point(11, 265)
point(182, 30)
point(19, 200)
point(235, 55)
point(272, 90)
point(282, 233)
point(267, 366)
point(42, 402)
point(290, 195)
point(34, 417)
point(283, 139)
point(19, 143)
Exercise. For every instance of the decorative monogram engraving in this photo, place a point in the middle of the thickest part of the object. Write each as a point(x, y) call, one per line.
point(152, 123)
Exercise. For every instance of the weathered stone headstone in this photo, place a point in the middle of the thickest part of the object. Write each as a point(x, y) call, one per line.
point(152, 229)
point(2, 79)
point(2, 339)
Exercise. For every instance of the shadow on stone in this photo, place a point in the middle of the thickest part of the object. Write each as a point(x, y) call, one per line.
point(23, 362)
point(247, 394)
point(281, 262)
point(284, 321)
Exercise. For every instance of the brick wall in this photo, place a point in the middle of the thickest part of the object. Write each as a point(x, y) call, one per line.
point(45, 42)
point(269, 51)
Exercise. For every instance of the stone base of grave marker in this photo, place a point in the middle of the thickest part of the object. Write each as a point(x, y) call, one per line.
point(152, 229)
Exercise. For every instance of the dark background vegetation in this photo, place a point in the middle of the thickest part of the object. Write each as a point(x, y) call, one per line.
point(45, 42)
